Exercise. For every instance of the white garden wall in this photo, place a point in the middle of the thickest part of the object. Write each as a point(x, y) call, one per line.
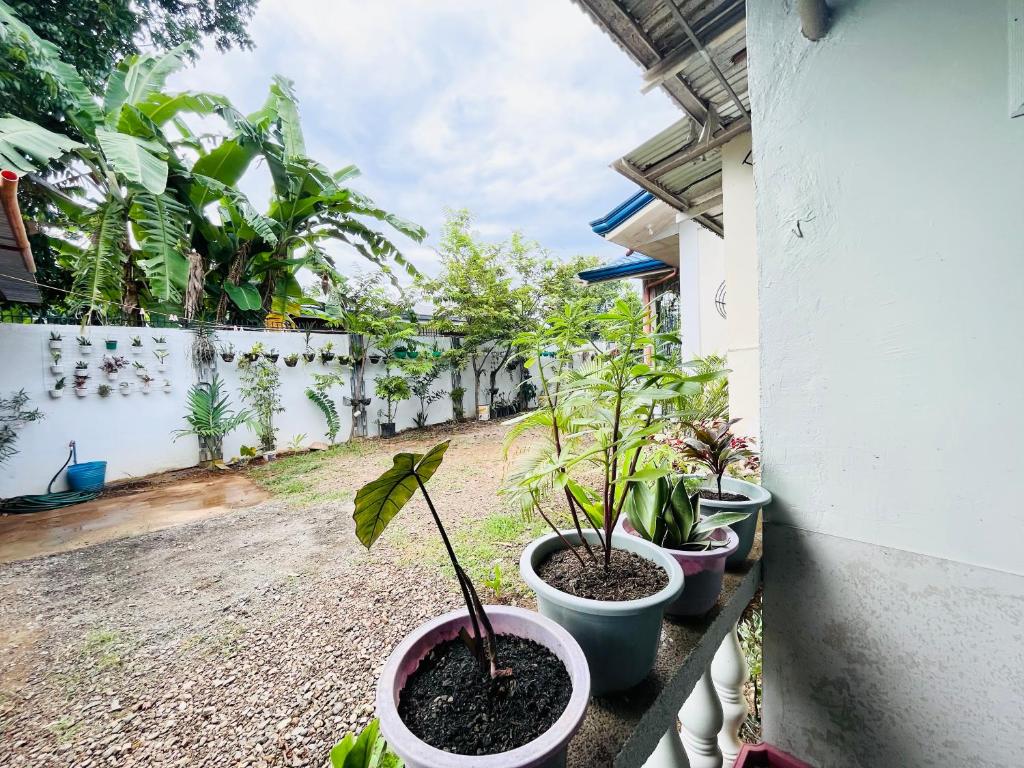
point(133, 432)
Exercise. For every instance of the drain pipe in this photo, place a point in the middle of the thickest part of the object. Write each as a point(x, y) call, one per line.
point(814, 18)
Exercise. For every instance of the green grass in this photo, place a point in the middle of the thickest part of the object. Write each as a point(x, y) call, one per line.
point(65, 729)
point(105, 648)
point(304, 479)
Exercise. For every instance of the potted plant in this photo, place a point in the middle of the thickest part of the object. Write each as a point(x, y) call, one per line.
point(136, 345)
point(227, 354)
point(160, 342)
point(58, 389)
point(84, 346)
point(55, 339)
point(713, 447)
point(392, 390)
point(667, 513)
point(161, 358)
point(291, 360)
point(111, 343)
point(400, 352)
point(411, 352)
point(435, 350)
point(374, 357)
point(457, 394)
point(81, 382)
point(272, 355)
point(80, 367)
point(309, 355)
point(344, 360)
point(167, 386)
point(327, 352)
point(147, 381)
point(125, 387)
point(55, 364)
point(609, 589)
point(111, 365)
point(104, 390)
point(479, 660)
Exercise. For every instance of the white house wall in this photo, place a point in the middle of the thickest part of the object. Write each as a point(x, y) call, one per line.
point(701, 270)
point(890, 189)
point(133, 433)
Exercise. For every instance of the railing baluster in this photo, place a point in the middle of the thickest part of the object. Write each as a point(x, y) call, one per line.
point(669, 753)
point(701, 717)
point(729, 672)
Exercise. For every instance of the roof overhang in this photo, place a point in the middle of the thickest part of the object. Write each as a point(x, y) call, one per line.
point(630, 265)
point(17, 267)
point(698, 57)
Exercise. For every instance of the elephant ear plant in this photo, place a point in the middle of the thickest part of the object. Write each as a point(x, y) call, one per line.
point(490, 683)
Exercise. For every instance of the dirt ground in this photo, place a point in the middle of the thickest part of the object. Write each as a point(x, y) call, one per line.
point(251, 638)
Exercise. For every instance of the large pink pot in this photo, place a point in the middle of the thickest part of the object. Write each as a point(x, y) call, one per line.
point(546, 751)
point(702, 573)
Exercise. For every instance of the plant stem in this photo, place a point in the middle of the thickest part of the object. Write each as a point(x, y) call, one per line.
point(570, 547)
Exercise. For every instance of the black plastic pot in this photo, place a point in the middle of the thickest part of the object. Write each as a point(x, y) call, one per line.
point(227, 357)
point(387, 429)
point(252, 357)
point(326, 357)
point(365, 401)
point(309, 356)
point(271, 358)
point(374, 359)
point(291, 363)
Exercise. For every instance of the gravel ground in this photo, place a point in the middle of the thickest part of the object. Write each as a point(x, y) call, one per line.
point(251, 639)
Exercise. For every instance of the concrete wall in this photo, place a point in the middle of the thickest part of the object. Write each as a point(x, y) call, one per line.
point(701, 270)
point(741, 274)
point(133, 432)
point(890, 185)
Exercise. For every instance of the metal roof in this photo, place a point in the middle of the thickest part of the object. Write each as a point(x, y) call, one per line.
point(621, 212)
point(630, 265)
point(696, 51)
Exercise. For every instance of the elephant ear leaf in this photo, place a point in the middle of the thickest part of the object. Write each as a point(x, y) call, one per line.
point(380, 500)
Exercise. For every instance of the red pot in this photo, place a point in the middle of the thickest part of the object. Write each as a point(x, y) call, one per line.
point(766, 756)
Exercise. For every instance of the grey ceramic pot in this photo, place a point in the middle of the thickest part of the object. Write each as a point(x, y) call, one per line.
point(619, 639)
point(745, 529)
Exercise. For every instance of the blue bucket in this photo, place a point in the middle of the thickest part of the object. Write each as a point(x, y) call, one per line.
point(88, 476)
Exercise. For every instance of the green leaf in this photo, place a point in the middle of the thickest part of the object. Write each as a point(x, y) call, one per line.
point(207, 189)
point(685, 513)
point(27, 147)
point(647, 474)
point(98, 272)
point(136, 77)
point(288, 114)
point(245, 296)
point(226, 163)
point(379, 501)
point(163, 107)
point(719, 520)
point(134, 158)
point(160, 227)
point(341, 750)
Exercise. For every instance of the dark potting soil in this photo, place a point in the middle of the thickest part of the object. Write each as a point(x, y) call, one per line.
point(629, 576)
point(451, 703)
point(706, 493)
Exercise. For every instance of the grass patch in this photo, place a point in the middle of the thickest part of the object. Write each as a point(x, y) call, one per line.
point(305, 479)
point(105, 648)
point(65, 729)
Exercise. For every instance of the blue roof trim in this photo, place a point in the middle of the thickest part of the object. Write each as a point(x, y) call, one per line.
point(633, 265)
point(623, 211)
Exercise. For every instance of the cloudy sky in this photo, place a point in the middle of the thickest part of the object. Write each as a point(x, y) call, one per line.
point(511, 109)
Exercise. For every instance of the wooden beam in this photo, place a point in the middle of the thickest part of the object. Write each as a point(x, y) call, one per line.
point(682, 22)
point(692, 152)
point(631, 172)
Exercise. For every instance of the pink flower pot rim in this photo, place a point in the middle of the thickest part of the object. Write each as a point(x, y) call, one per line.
point(504, 618)
point(708, 554)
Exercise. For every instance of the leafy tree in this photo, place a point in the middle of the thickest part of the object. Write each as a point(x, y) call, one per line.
point(261, 388)
point(210, 418)
point(94, 36)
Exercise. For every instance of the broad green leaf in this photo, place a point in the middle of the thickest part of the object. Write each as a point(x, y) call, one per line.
point(162, 107)
point(207, 189)
point(226, 163)
point(99, 270)
point(27, 147)
point(379, 501)
point(288, 114)
point(134, 158)
point(136, 77)
point(685, 513)
point(160, 227)
point(341, 750)
point(719, 520)
point(646, 474)
point(246, 297)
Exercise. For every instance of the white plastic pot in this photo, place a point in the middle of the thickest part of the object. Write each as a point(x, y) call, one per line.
point(85, 349)
point(56, 368)
point(56, 394)
point(54, 344)
point(81, 391)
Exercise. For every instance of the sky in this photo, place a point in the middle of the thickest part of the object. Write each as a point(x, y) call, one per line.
point(513, 110)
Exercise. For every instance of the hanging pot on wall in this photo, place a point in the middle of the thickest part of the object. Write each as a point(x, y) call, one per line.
point(387, 429)
point(374, 359)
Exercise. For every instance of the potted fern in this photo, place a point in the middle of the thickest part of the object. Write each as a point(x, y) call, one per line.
point(58, 389)
point(480, 687)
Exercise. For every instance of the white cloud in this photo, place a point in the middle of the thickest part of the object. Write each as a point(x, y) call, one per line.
point(513, 110)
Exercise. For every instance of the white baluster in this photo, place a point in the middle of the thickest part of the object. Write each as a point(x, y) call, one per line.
point(701, 717)
point(729, 672)
point(669, 753)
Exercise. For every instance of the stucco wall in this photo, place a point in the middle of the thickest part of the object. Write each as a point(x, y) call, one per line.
point(890, 184)
point(701, 270)
point(133, 432)
point(741, 274)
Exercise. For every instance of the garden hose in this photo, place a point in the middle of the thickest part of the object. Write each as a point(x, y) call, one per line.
point(20, 505)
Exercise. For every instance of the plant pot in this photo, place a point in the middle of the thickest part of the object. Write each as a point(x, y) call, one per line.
point(87, 476)
point(745, 529)
point(766, 756)
point(55, 369)
point(137, 351)
point(125, 390)
point(56, 394)
point(309, 357)
point(401, 354)
point(271, 358)
point(227, 357)
point(387, 429)
point(291, 363)
point(112, 376)
point(413, 354)
point(620, 639)
point(85, 349)
point(374, 359)
point(250, 357)
point(111, 345)
point(326, 357)
point(54, 344)
point(162, 367)
point(546, 751)
point(365, 401)
point(702, 572)
point(436, 353)
point(167, 388)
point(146, 389)
point(81, 391)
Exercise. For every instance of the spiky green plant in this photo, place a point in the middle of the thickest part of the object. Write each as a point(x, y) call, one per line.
point(210, 418)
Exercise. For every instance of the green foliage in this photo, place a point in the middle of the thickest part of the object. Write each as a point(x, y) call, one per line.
point(711, 446)
point(369, 750)
point(379, 501)
point(665, 512)
point(495, 581)
point(711, 403)
point(210, 417)
point(261, 389)
point(320, 399)
point(393, 389)
point(14, 411)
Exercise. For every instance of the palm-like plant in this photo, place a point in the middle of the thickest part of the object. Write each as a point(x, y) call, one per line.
point(210, 418)
point(711, 446)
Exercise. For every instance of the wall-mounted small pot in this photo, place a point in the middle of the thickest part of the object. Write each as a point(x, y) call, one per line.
point(56, 368)
point(251, 357)
point(291, 360)
point(111, 344)
point(374, 359)
point(271, 356)
point(365, 401)
point(56, 394)
point(326, 357)
point(126, 388)
point(387, 429)
point(55, 344)
point(227, 357)
point(402, 353)
point(309, 357)
point(85, 349)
